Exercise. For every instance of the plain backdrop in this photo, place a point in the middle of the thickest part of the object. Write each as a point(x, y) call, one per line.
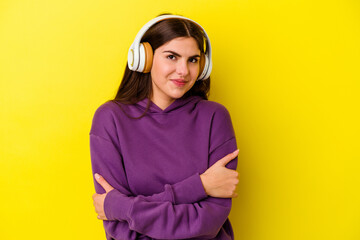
point(288, 72)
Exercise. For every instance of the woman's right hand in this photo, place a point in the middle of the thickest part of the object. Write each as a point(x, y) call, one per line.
point(219, 181)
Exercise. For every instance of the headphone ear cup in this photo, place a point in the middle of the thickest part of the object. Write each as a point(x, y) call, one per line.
point(148, 57)
point(201, 64)
point(142, 58)
point(204, 66)
point(132, 64)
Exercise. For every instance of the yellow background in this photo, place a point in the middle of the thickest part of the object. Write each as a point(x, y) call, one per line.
point(288, 71)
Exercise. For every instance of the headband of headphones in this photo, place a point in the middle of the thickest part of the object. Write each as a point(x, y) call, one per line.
point(137, 55)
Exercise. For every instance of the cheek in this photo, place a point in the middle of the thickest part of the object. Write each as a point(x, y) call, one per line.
point(195, 71)
point(160, 69)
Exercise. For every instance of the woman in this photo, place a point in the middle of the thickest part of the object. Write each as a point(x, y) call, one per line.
point(164, 157)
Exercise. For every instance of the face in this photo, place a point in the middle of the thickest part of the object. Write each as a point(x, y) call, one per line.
point(175, 69)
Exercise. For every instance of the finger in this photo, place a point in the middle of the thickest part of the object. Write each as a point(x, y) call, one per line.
point(225, 160)
point(94, 196)
point(102, 217)
point(107, 187)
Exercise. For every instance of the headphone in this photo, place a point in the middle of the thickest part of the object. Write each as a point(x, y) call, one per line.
point(140, 55)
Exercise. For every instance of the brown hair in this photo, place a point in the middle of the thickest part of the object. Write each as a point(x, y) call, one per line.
point(136, 86)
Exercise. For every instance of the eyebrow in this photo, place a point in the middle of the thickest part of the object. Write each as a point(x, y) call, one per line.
point(178, 55)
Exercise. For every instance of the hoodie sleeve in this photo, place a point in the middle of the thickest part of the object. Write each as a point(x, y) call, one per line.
point(166, 220)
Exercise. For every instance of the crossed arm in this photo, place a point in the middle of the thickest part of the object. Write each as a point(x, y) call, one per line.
point(218, 181)
point(199, 215)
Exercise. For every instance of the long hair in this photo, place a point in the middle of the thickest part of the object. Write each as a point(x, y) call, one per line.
point(136, 86)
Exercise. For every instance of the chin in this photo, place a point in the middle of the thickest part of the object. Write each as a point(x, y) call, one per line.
point(177, 95)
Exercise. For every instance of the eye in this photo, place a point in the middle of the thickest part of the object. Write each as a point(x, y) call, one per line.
point(193, 60)
point(171, 57)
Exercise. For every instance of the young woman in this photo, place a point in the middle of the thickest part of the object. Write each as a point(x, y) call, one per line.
point(163, 156)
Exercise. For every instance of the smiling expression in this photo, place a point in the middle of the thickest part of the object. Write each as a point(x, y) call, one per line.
point(174, 71)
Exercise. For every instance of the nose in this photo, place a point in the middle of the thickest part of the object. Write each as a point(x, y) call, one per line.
point(182, 68)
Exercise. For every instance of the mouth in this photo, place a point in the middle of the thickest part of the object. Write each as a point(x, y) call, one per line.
point(179, 82)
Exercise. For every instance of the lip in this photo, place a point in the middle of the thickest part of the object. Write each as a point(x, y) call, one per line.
point(179, 82)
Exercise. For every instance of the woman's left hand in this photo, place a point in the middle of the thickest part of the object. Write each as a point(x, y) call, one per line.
point(98, 199)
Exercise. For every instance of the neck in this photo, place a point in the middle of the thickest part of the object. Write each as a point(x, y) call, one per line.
point(162, 103)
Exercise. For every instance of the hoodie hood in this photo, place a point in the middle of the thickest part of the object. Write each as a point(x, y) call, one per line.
point(180, 103)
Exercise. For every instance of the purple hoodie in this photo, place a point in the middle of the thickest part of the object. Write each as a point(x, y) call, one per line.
point(154, 163)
